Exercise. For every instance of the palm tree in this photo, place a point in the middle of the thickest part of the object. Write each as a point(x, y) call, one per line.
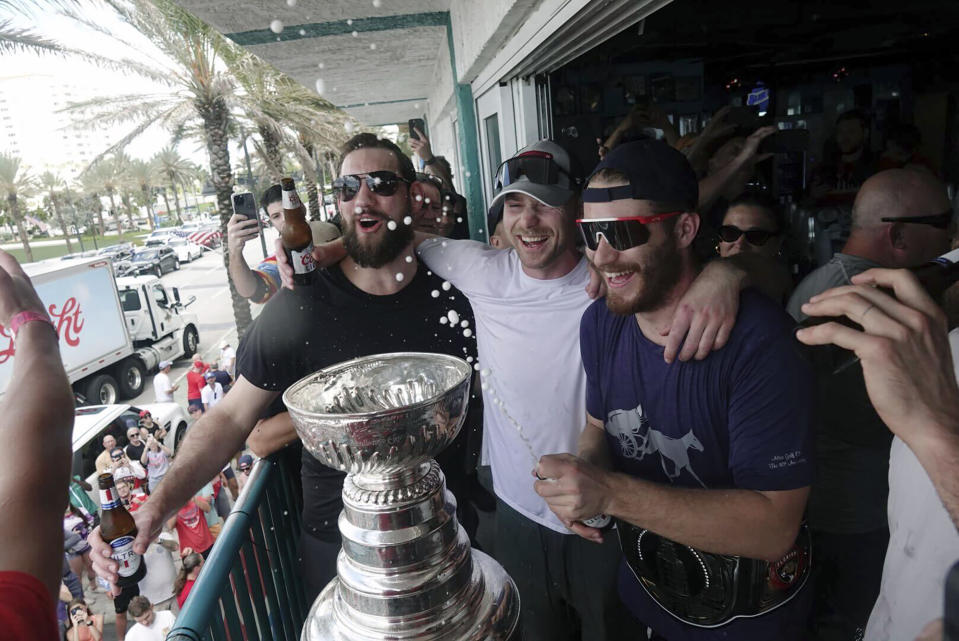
point(53, 185)
point(142, 177)
point(107, 175)
point(16, 182)
point(175, 170)
point(92, 185)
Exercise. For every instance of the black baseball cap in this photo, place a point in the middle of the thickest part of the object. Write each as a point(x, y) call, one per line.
point(656, 172)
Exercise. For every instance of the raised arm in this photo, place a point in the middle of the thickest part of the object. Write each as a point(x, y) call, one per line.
point(239, 230)
point(33, 494)
point(272, 434)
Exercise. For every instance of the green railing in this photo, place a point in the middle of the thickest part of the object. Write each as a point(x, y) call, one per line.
point(249, 589)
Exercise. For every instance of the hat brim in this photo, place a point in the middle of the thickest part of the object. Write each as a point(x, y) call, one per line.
point(549, 195)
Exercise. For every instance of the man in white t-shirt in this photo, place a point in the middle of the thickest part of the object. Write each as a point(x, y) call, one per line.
point(211, 393)
point(228, 359)
point(163, 387)
point(157, 585)
point(911, 381)
point(151, 625)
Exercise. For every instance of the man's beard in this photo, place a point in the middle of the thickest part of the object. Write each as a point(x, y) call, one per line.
point(380, 253)
point(658, 276)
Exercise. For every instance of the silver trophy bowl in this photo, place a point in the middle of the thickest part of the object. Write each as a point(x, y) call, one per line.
point(406, 570)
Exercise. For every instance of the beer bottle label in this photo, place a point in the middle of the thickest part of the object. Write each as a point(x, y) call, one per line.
point(291, 200)
point(302, 261)
point(599, 521)
point(127, 560)
point(109, 499)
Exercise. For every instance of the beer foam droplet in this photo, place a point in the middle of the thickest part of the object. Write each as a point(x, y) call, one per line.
point(408, 220)
point(320, 86)
point(459, 219)
point(377, 3)
point(485, 372)
point(476, 366)
point(467, 332)
point(427, 201)
point(347, 125)
point(302, 32)
point(276, 26)
point(469, 359)
point(291, 3)
point(391, 225)
point(446, 285)
point(373, 46)
point(418, 198)
point(349, 21)
point(442, 244)
point(355, 34)
point(484, 385)
point(409, 259)
point(464, 323)
point(436, 294)
point(453, 316)
point(357, 210)
point(443, 319)
point(438, 219)
point(399, 277)
point(321, 65)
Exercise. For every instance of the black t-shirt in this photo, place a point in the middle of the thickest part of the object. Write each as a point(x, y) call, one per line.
point(305, 330)
point(134, 452)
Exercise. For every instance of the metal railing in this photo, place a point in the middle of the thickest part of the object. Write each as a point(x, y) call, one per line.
point(249, 589)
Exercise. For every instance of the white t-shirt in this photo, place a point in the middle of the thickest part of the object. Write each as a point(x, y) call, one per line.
point(157, 585)
point(210, 396)
point(157, 631)
point(528, 338)
point(228, 359)
point(161, 383)
point(923, 545)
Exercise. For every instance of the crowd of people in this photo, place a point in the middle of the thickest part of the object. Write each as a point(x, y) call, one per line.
point(639, 321)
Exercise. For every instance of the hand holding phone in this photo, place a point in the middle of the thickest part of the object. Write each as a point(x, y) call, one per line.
point(415, 124)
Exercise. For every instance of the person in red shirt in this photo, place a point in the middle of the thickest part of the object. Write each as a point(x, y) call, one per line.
point(191, 527)
point(131, 497)
point(195, 383)
point(33, 496)
point(185, 579)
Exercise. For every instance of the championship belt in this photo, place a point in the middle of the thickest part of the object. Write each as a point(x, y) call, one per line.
point(709, 590)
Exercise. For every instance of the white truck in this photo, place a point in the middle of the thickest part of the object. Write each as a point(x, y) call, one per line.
point(113, 331)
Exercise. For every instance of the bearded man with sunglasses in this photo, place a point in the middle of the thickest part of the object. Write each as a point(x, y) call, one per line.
point(900, 218)
point(704, 464)
point(378, 299)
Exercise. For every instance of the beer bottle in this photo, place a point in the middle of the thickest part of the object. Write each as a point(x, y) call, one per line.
point(118, 530)
point(297, 237)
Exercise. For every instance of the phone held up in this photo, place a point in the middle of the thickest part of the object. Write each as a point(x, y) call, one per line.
point(414, 124)
point(244, 205)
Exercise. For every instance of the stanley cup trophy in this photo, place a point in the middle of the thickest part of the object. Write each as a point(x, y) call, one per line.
point(406, 570)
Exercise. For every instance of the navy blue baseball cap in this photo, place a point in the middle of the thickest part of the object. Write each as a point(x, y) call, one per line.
point(656, 172)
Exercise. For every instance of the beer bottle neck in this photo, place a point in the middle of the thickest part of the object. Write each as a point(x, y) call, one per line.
point(109, 498)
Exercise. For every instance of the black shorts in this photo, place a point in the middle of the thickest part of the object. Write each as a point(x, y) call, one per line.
point(121, 601)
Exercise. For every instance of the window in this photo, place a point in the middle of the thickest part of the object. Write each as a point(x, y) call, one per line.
point(159, 295)
point(491, 125)
point(130, 300)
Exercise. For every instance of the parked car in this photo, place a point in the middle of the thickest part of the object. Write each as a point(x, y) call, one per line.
point(117, 253)
point(159, 237)
point(151, 260)
point(185, 250)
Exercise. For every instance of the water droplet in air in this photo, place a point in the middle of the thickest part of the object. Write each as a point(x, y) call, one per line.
point(391, 225)
point(469, 359)
point(436, 294)
point(443, 319)
point(399, 277)
point(427, 201)
point(302, 32)
point(459, 219)
point(409, 259)
point(418, 198)
point(438, 220)
point(453, 316)
point(350, 21)
point(446, 285)
point(408, 220)
point(320, 86)
point(475, 365)
point(464, 323)
point(467, 332)
point(276, 26)
point(355, 34)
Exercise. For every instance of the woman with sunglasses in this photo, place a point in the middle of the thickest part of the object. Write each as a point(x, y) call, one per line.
point(751, 224)
point(82, 625)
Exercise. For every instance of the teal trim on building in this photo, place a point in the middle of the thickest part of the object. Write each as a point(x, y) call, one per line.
point(469, 148)
point(381, 102)
point(342, 27)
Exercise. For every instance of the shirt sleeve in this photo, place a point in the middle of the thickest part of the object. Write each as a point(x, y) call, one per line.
point(26, 609)
point(468, 264)
point(770, 415)
point(588, 351)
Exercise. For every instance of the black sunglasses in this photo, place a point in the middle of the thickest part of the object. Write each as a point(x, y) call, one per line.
point(244, 469)
point(756, 237)
point(620, 233)
point(939, 221)
point(537, 167)
point(381, 183)
point(76, 609)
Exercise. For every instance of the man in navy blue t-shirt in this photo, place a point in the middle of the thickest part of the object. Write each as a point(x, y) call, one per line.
point(713, 454)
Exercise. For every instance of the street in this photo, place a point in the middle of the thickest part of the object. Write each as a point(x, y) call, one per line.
point(206, 279)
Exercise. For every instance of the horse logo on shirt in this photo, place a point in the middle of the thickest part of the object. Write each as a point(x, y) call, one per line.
point(637, 439)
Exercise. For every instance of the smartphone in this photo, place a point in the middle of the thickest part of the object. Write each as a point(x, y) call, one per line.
point(244, 205)
point(785, 141)
point(414, 124)
point(950, 623)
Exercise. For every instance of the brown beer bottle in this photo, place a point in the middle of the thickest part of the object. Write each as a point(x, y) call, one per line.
point(118, 530)
point(296, 236)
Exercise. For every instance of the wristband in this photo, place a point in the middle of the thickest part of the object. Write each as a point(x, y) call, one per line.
point(22, 318)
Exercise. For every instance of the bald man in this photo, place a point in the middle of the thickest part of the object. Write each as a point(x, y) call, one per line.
point(894, 224)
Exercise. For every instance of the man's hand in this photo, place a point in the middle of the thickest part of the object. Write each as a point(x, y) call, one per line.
point(717, 126)
point(16, 291)
point(750, 151)
point(705, 314)
point(574, 490)
point(596, 287)
point(148, 523)
point(421, 147)
point(240, 229)
point(904, 349)
point(325, 255)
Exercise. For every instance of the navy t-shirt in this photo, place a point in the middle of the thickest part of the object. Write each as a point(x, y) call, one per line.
point(740, 418)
